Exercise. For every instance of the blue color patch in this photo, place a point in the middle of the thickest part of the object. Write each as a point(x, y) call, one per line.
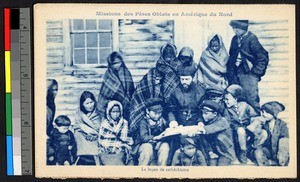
point(9, 155)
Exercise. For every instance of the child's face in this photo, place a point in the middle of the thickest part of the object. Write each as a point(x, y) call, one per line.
point(168, 53)
point(115, 113)
point(214, 45)
point(208, 114)
point(63, 129)
point(189, 150)
point(267, 115)
point(216, 99)
point(229, 100)
point(118, 63)
point(154, 115)
point(89, 104)
point(238, 31)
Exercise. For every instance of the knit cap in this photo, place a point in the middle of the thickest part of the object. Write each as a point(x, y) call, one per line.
point(154, 104)
point(212, 105)
point(236, 91)
point(273, 107)
point(241, 24)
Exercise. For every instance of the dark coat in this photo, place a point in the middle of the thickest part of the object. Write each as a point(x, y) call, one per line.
point(218, 137)
point(146, 132)
point(184, 106)
point(251, 50)
point(60, 143)
point(241, 116)
point(280, 131)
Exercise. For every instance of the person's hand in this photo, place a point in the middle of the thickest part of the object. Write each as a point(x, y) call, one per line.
point(212, 155)
point(158, 137)
point(173, 124)
point(51, 158)
point(66, 163)
point(200, 128)
point(130, 141)
point(70, 147)
point(238, 62)
point(191, 134)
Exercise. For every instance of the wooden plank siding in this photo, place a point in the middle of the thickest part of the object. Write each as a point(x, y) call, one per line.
point(139, 41)
point(273, 35)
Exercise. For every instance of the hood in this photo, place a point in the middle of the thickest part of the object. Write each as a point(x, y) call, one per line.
point(162, 49)
point(186, 51)
point(110, 105)
point(112, 58)
point(211, 36)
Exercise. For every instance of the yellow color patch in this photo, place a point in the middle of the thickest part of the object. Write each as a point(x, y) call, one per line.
point(7, 72)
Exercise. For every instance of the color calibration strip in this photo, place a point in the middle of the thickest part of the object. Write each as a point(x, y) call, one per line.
point(18, 91)
point(8, 99)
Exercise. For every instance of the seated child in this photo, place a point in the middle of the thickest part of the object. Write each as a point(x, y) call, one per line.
point(216, 96)
point(238, 113)
point(276, 150)
point(188, 154)
point(217, 135)
point(62, 141)
point(149, 136)
point(113, 139)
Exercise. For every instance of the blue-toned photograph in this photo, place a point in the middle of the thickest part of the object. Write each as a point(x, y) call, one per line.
point(151, 92)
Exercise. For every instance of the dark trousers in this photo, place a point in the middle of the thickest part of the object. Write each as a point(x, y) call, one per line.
point(249, 83)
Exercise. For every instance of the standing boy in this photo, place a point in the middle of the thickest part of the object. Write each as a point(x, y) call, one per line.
point(248, 61)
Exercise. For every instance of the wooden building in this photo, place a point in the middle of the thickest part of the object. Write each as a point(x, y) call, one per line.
point(77, 52)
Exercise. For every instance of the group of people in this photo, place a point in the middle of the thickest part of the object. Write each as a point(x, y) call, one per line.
point(216, 102)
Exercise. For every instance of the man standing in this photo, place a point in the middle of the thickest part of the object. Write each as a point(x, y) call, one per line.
point(248, 61)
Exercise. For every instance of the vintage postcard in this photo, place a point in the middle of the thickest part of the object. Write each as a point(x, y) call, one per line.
point(165, 91)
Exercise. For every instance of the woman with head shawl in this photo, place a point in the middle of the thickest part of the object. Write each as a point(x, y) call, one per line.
point(117, 85)
point(158, 82)
point(212, 64)
point(186, 56)
point(113, 135)
point(86, 123)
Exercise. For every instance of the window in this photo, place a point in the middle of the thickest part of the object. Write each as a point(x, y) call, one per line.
point(91, 41)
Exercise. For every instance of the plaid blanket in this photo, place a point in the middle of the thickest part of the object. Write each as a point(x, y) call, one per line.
point(145, 88)
point(86, 129)
point(117, 85)
point(113, 135)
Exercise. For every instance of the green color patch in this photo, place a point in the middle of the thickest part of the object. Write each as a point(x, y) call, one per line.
point(8, 113)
